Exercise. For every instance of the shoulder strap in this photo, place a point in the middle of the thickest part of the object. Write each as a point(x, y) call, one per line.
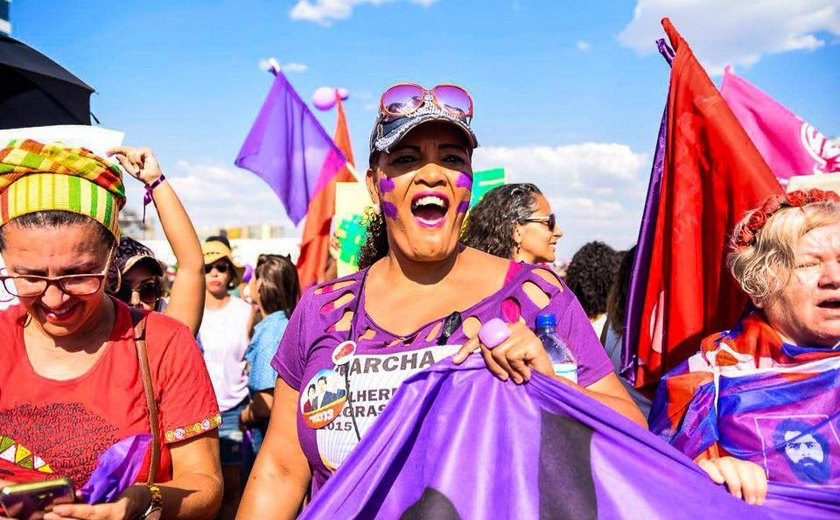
point(138, 320)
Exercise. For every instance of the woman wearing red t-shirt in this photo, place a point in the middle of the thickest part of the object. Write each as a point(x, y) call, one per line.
point(71, 393)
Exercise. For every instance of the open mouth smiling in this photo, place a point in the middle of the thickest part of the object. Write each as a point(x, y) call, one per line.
point(832, 303)
point(61, 313)
point(429, 209)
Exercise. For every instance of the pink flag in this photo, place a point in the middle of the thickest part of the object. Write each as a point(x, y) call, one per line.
point(789, 145)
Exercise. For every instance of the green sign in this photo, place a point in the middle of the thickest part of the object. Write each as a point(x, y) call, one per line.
point(485, 181)
point(351, 233)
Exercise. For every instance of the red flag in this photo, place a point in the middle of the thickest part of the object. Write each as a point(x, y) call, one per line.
point(315, 244)
point(712, 175)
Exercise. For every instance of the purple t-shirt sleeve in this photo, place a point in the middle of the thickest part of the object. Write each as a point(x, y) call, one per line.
point(290, 359)
point(572, 324)
point(592, 359)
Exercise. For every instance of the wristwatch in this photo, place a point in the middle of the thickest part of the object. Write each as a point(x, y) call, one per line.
point(156, 506)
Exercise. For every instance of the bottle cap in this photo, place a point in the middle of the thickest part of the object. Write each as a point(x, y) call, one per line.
point(546, 320)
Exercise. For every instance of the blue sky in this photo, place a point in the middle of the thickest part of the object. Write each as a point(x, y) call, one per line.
point(568, 94)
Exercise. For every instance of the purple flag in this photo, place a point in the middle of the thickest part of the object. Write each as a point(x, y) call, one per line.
point(644, 245)
point(641, 263)
point(288, 148)
point(455, 442)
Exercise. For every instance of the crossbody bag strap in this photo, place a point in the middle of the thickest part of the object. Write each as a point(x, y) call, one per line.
point(138, 320)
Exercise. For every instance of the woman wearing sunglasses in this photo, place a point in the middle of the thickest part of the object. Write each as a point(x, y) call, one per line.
point(73, 400)
point(419, 297)
point(514, 221)
point(137, 277)
point(140, 276)
point(224, 339)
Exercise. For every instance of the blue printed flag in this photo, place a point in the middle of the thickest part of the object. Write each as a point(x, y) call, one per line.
point(750, 395)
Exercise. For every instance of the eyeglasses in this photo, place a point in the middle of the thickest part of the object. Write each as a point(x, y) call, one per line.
point(550, 221)
point(33, 286)
point(221, 267)
point(148, 292)
point(403, 99)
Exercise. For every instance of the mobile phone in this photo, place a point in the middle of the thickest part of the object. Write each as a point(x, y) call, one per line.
point(29, 501)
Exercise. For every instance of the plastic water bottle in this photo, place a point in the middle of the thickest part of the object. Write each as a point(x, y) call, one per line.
point(557, 348)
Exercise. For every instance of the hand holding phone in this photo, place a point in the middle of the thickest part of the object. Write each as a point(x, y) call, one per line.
point(31, 500)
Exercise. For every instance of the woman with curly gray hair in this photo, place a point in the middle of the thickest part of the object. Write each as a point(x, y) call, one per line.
point(513, 221)
point(758, 403)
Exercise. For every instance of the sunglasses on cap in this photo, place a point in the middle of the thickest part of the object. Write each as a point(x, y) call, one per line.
point(148, 293)
point(221, 267)
point(550, 221)
point(403, 99)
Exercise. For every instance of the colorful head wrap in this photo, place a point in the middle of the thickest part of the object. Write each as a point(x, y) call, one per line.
point(39, 177)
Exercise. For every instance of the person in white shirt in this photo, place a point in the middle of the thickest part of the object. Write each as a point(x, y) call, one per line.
point(224, 338)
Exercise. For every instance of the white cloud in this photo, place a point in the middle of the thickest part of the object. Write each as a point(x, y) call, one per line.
point(325, 12)
point(723, 31)
point(219, 196)
point(597, 190)
point(294, 67)
point(583, 46)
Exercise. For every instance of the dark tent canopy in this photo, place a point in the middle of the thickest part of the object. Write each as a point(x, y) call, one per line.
point(36, 91)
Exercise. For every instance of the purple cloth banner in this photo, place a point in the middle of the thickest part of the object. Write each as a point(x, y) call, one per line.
point(288, 148)
point(116, 469)
point(456, 443)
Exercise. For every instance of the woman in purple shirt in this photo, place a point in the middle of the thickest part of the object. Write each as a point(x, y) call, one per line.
point(419, 297)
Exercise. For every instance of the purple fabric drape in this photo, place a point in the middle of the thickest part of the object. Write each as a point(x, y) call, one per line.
point(116, 469)
point(455, 442)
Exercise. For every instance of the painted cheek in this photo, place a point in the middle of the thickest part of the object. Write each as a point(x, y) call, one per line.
point(464, 181)
point(389, 209)
point(463, 206)
point(386, 185)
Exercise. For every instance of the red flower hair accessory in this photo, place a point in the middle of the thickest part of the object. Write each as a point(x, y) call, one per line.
point(757, 218)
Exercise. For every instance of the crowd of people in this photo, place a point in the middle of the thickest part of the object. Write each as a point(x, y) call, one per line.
point(222, 400)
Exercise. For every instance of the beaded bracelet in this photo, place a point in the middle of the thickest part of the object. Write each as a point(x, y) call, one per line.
point(147, 198)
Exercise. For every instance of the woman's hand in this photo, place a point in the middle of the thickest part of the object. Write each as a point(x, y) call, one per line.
point(743, 478)
point(140, 163)
point(4, 483)
point(246, 417)
point(131, 504)
point(513, 358)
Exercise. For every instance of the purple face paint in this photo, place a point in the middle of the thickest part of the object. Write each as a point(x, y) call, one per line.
point(463, 206)
point(464, 181)
point(386, 184)
point(389, 209)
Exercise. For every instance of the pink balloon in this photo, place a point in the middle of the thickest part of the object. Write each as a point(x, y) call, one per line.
point(343, 94)
point(324, 98)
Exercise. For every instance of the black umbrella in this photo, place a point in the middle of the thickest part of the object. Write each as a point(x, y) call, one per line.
point(36, 91)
